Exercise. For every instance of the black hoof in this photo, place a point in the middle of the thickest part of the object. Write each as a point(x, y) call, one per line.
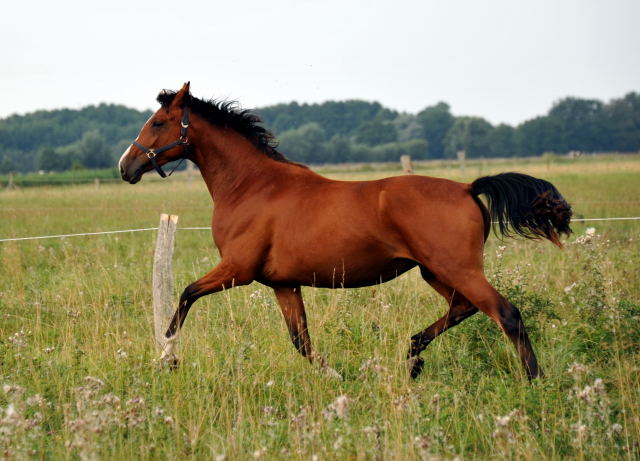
point(173, 364)
point(417, 364)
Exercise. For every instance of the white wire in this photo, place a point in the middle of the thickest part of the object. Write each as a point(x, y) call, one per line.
point(16, 239)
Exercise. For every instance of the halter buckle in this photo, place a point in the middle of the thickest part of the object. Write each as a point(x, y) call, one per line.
point(151, 153)
point(184, 125)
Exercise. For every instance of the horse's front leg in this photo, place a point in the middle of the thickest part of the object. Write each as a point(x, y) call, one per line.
point(221, 277)
point(290, 300)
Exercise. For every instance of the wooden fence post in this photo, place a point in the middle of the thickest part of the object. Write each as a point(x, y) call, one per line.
point(190, 171)
point(163, 306)
point(461, 158)
point(405, 161)
point(11, 184)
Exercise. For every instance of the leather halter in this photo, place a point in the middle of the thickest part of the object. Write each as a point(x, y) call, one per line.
point(183, 141)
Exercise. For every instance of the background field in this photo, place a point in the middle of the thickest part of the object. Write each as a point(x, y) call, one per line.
point(77, 352)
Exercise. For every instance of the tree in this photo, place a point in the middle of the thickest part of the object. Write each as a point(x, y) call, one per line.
point(470, 134)
point(304, 144)
point(540, 135)
point(580, 123)
point(375, 132)
point(50, 159)
point(502, 141)
point(622, 122)
point(94, 152)
point(7, 165)
point(338, 149)
point(436, 122)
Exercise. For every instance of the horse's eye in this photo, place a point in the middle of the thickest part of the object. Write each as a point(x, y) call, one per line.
point(157, 123)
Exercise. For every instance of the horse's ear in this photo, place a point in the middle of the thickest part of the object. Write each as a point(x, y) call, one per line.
point(183, 95)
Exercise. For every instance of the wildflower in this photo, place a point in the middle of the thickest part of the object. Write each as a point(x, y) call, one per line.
point(10, 389)
point(589, 235)
point(577, 370)
point(93, 381)
point(337, 409)
point(259, 453)
point(122, 354)
point(616, 428)
point(338, 443)
point(423, 443)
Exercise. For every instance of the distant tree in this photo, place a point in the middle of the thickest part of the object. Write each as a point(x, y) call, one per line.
point(338, 149)
point(470, 134)
point(408, 127)
point(540, 135)
point(374, 132)
point(304, 144)
point(94, 152)
point(50, 159)
point(622, 122)
point(502, 141)
point(580, 122)
point(418, 149)
point(436, 122)
point(7, 165)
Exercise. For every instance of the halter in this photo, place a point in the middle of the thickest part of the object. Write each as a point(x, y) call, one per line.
point(183, 141)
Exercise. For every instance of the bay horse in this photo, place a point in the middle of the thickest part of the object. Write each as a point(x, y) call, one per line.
point(281, 224)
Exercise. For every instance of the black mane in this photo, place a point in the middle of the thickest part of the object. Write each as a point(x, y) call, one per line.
point(227, 114)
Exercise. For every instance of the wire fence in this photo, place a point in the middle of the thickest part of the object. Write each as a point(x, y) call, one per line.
point(145, 229)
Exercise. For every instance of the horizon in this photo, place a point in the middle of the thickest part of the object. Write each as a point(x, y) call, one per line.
point(257, 109)
point(502, 61)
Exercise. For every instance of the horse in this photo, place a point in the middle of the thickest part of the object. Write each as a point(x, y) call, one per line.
point(280, 224)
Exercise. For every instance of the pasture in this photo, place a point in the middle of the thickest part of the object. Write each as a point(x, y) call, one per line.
point(77, 355)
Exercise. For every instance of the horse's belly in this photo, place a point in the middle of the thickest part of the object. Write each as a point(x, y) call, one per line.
point(340, 274)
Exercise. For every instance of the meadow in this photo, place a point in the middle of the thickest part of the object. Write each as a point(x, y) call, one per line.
point(80, 379)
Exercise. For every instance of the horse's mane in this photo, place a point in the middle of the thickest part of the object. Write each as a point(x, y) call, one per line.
point(228, 114)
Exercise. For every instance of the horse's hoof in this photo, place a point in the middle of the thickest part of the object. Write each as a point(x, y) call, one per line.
point(170, 361)
point(416, 364)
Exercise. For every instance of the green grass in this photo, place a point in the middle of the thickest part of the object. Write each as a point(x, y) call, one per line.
point(81, 307)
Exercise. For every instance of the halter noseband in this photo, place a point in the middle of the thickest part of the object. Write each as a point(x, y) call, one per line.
point(183, 141)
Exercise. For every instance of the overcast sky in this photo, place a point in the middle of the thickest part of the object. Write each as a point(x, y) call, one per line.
point(506, 60)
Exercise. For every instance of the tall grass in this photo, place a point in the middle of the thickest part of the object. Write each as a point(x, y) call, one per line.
point(80, 381)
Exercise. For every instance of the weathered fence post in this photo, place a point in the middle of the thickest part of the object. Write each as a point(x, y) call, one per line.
point(163, 306)
point(190, 171)
point(461, 157)
point(96, 183)
point(405, 161)
point(11, 184)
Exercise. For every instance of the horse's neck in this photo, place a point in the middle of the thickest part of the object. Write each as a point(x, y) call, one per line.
point(230, 164)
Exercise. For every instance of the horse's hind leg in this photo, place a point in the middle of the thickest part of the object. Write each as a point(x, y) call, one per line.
point(459, 309)
point(480, 292)
point(292, 306)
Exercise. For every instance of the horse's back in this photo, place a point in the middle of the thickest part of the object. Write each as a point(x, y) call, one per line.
point(330, 233)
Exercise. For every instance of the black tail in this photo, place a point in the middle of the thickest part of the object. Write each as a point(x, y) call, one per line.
point(526, 206)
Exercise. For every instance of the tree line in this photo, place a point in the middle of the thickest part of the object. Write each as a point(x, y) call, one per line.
point(334, 132)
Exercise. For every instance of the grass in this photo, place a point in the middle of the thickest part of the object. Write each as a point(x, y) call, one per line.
point(79, 380)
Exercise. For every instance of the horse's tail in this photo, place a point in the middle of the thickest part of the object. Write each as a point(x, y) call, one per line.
point(526, 206)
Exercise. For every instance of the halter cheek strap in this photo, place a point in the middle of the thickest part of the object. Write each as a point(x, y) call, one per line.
point(183, 141)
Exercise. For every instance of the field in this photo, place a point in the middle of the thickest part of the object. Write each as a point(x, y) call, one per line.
point(80, 380)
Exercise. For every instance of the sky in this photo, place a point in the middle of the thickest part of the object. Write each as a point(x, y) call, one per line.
point(505, 60)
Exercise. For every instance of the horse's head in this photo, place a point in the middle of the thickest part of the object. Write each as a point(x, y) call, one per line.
point(163, 138)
